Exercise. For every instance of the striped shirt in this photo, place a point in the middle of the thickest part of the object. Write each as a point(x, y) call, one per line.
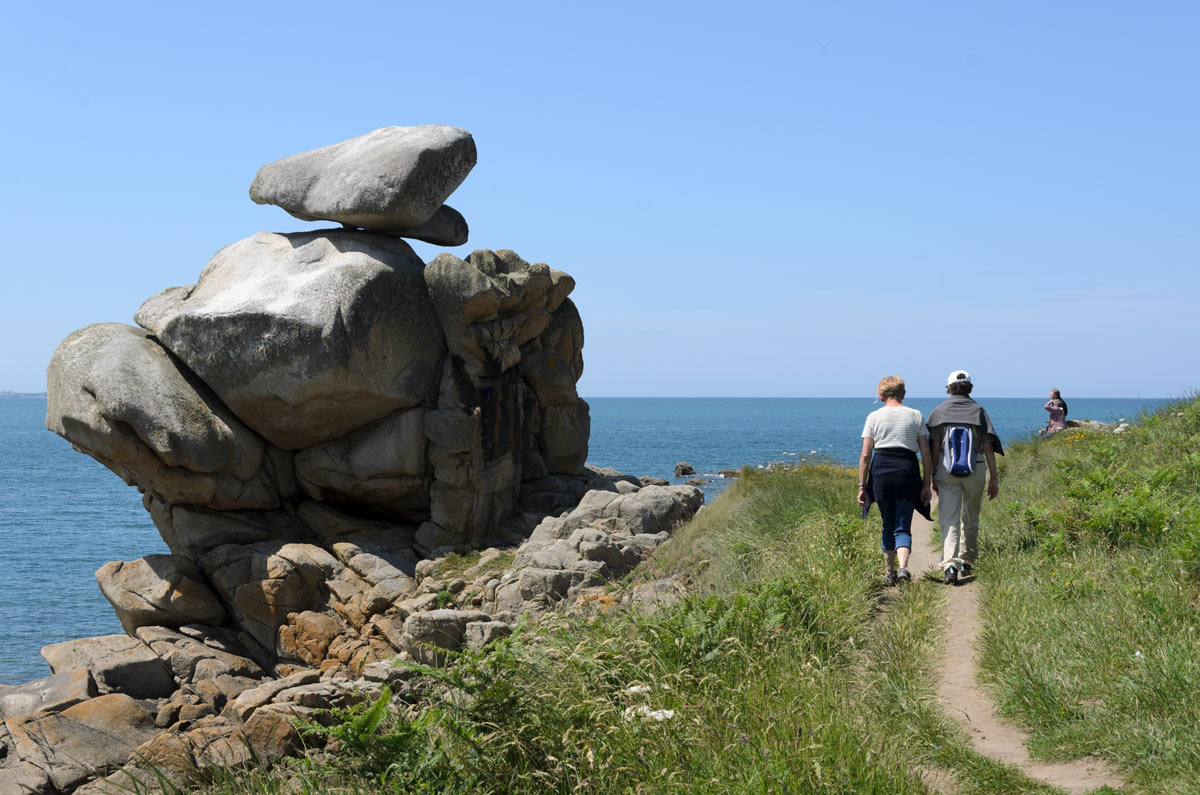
point(895, 426)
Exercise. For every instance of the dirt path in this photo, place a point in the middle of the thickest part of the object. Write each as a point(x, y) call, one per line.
point(968, 703)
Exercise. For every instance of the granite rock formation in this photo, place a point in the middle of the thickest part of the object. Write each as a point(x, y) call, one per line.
point(316, 425)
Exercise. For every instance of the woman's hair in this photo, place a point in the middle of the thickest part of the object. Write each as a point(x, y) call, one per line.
point(1056, 395)
point(891, 387)
point(960, 388)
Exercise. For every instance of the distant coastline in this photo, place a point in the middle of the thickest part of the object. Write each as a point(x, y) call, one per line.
point(4, 394)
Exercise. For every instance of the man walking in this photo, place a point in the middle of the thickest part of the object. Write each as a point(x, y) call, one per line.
point(963, 440)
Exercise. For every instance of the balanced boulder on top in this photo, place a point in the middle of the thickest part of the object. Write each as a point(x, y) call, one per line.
point(390, 180)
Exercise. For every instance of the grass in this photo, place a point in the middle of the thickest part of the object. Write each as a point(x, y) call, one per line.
point(757, 673)
point(1091, 577)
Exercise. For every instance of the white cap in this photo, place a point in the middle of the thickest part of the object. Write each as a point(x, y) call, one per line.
point(957, 376)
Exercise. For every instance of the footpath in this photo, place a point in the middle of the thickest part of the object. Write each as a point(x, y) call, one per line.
point(969, 704)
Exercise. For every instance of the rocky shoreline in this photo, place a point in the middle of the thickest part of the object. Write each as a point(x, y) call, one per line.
point(323, 428)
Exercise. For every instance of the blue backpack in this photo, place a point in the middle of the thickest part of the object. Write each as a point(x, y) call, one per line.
point(958, 450)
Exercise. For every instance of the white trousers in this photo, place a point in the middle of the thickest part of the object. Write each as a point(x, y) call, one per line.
point(959, 501)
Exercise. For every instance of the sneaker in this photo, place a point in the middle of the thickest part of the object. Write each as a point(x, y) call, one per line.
point(950, 576)
point(903, 576)
point(966, 569)
point(889, 579)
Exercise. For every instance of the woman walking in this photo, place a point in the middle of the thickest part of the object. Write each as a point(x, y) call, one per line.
point(889, 474)
point(1058, 413)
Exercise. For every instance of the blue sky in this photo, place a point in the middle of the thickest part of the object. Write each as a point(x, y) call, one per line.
point(776, 199)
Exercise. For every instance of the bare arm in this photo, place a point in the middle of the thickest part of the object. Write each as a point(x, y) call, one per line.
point(993, 488)
point(864, 461)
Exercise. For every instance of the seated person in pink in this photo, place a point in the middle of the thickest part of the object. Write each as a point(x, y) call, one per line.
point(1058, 413)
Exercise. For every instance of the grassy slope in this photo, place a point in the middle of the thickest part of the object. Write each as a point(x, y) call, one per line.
point(761, 669)
point(1091, 568)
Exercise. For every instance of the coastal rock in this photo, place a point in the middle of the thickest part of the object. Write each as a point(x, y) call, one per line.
point(116, 394)
point(389, 180)
point(563, 436)
point(250, 700)
point(331, 525)
point(382, 464)
point(163, 590)
point(480, 634)
point(447, 227)
point(651, 510)
point(491, 304)
point(190, 531)
point(73, 745)
point(683, 469)
point(49, 694)
point(306, 336)
point(190, 658)
point(553, 362)
point(428, 634)
point(269, 584)
point(478, 436)
point(117, 664)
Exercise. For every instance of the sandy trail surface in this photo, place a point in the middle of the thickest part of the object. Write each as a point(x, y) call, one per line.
point(968, 703)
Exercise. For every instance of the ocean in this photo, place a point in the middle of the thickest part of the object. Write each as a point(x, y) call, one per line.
point(62, 515)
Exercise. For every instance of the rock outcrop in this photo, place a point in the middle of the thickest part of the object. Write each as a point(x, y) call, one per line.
point(322, 427)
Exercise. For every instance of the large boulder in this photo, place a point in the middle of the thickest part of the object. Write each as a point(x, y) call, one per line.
point(390, 180)
point(73, 745)
point(306, 336)
point(116, 394)
point(383, 464)
point(49, 694)
point(117, 663)
point(160, 590)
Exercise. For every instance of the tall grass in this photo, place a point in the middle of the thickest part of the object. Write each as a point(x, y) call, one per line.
point(749, 685)
point(1090, 566)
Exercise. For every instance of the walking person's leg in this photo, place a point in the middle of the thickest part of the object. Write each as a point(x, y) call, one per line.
point(887, 510)
point(903, 537)
point(973, 486)
point(950, 505)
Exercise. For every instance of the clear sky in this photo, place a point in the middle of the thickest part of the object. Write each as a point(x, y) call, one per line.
point(775, 199)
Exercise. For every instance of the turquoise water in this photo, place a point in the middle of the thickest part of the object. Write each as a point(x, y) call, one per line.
point(62, 515)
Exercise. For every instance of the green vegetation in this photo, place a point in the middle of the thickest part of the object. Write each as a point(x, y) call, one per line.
point(792, 670)
point(749, 686)
point(1091, 575)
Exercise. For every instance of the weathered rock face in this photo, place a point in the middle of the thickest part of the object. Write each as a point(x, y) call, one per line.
point(383, 464)
point(390, 180)
point(118, 395)
point(69, 747)
point(117, 664)
point(306, 336)
point(158, 590)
